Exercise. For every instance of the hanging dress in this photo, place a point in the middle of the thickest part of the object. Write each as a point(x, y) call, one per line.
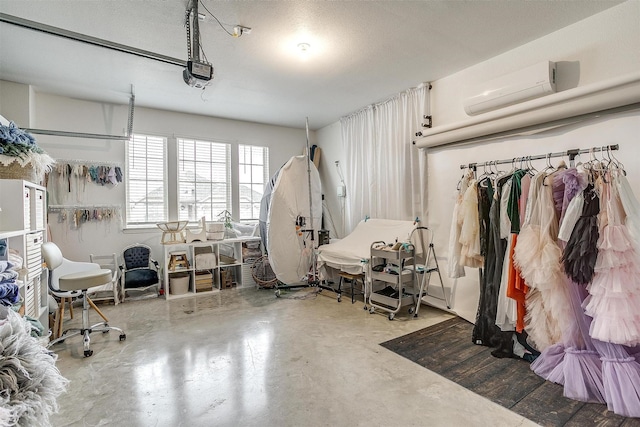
point(506, 312)
point(485, 331)
point(614, 300)
point(630, 205)
point(579, 257)
point(454, 269)
point(614, 306)
point(516, 287)
point(470, 255)
point(483, 327)
point(574, 362)
point(538, 258)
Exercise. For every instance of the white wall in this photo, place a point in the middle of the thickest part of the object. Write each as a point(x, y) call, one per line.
point(596, 49)
point(61, 113)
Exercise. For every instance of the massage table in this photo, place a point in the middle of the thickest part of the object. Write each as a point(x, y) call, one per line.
point(351, 254)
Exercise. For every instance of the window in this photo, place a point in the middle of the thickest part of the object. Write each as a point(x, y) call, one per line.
point(146, 183)
point(253, 174)
point(204, 179)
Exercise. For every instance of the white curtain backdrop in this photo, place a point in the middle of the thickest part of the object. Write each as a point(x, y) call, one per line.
point(386, 175)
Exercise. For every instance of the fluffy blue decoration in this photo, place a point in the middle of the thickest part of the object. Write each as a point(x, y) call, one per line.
point(14, 135)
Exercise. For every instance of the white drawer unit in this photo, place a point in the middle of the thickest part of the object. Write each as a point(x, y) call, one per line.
point(38, 208)
point(27, 208)
point(31, 303)
point(33, 256)
point(23, 223)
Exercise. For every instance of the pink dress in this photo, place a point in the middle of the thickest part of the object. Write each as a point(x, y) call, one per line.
point(614, 293)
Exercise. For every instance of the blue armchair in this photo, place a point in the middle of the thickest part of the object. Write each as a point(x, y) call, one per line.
point(139, 271)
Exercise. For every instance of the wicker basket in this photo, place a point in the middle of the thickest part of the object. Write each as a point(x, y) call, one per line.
point(16, 171)
point(263, 274)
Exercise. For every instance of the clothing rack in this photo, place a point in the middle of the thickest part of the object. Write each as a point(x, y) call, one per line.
point(87, 163)
point(569, 153)
point(54, 208)
point(76, 215)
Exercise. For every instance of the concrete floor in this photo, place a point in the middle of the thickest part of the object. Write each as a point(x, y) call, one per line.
point(245, 358)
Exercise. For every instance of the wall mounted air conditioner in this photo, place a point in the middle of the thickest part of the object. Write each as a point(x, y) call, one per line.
point(529, 83)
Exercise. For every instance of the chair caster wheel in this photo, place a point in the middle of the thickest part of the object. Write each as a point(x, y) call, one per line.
point(88, 353)
point(339, 299)
point(123, 337)
point(391, 316)
point(278, 293)
point(372, 310)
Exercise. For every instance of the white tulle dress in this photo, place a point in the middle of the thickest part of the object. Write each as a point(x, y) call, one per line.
point(538, 255)
point(630, 205)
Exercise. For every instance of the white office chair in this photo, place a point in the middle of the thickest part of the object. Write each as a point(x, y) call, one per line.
point(69, 279)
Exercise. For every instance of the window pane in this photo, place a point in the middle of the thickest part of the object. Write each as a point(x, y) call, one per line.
point(203, 179)
point(252, 176)
point(145, 180)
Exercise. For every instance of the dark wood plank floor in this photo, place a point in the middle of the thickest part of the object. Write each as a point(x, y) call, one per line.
point(446, 349)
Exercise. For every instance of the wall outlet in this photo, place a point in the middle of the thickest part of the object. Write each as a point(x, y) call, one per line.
point(342, 191)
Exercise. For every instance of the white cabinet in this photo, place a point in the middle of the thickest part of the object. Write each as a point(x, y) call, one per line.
point(23, 229)
point(206, 267)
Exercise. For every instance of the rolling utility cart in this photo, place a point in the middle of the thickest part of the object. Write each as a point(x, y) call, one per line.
point(389, 268)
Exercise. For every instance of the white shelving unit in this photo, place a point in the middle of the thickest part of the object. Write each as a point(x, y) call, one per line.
point(231, 269)
point(23, 228)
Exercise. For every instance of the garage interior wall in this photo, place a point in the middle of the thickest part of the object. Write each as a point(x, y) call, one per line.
point(46, 111)
point(596, 49)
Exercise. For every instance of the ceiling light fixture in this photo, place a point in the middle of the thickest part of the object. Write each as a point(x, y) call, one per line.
point(239, 30)
point(304, 47)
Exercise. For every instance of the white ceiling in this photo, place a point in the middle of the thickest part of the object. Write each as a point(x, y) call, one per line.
point(361, 52)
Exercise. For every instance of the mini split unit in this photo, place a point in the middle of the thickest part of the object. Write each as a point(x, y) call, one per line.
point(529, 83)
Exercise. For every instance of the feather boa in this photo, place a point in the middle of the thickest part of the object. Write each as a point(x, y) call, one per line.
point(30, 383)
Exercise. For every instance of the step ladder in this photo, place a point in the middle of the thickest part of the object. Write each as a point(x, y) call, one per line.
point(425, 271)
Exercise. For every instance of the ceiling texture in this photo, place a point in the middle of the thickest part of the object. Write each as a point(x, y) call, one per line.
point(360, 52)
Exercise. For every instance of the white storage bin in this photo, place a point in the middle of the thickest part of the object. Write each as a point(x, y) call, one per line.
point(215, 235)
point(213, 227)
point(179, 285)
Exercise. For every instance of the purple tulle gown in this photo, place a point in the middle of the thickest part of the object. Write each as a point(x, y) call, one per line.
point(590, 370)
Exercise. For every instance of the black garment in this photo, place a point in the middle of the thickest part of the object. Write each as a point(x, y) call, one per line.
point(485, 196)
point(485, 331)
point(513, 209)
point(579, 257)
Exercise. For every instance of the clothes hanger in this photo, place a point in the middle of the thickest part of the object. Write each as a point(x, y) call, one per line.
point(548, 168)
point(618, 164)
point(532, 169)
point(484, 172)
